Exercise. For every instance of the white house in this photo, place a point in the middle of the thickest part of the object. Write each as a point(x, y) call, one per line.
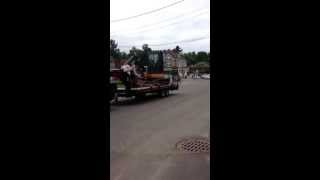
point(182, 65)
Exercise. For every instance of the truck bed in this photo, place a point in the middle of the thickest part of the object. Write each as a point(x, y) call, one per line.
point(121, 91)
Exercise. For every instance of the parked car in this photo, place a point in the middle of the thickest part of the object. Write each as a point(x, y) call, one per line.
point(205, 76)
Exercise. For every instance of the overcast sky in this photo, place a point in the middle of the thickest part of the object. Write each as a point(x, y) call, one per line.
point(184, 21)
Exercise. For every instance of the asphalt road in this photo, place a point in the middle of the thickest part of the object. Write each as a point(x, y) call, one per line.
point(144, 134)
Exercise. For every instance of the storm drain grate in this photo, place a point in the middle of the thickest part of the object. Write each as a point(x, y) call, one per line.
point(194, 145)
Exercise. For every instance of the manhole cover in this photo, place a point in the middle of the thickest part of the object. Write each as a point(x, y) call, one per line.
point(194, 145)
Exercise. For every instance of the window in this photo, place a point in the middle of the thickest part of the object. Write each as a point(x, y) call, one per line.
point(153, 58)
point(155, 63)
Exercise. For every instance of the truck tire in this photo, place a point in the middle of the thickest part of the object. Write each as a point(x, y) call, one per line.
point(162, 93)
point(167, 92)
point(140, 96)
point(116, 97)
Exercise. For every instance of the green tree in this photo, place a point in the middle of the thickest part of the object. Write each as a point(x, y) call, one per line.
point(114, 51)
point(190, 57)
point(202, 57)
point(123, 55)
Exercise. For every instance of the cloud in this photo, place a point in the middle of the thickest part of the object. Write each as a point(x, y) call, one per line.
point(146, 29)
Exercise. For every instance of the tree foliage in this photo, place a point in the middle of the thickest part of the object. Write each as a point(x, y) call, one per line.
point(202, 57)
point(191, 57)
point(124, 55)
point(194, 58)
point(114, 51)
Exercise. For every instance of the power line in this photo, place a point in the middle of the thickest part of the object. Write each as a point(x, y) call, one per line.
point(177, 42)
point(161, 27)
point(164, 26)
point(170, 43)
point(169, 19)
point(145, 13)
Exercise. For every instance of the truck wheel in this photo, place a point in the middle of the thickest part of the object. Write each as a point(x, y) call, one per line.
point(162, 93)
point(116, 97)
point(167, 92)
point(140, 96)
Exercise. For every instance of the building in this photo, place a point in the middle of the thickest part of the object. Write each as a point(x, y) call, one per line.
point(182, 65)
point(169, 58)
